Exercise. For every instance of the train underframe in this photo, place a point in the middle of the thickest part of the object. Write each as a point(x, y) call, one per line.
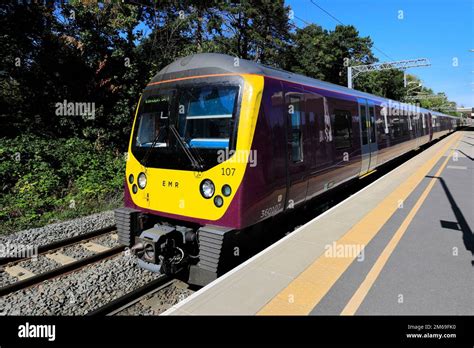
point(171, 247)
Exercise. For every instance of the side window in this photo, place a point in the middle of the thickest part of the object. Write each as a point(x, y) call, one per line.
point(342, 129)
point(294, 110)
point(403, 125)
point(418, 123)
point(395, 128)
point(372, 122)
point(381, 125)
point(363, 123)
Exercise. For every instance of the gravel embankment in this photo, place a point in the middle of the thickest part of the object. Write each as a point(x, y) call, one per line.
point(42, 263)
point(5, 279)
point(36, 265)
point(76, 251)
point(79, 292)
point(107, 241)
point(160, 301)
point(39, 264)
point(60, 230)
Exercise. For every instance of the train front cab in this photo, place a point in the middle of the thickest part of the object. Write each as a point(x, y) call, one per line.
point(171, 206)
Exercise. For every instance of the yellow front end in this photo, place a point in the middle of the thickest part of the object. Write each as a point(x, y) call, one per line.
point(178, 191)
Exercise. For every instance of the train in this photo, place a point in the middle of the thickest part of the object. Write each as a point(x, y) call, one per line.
point(221, 145)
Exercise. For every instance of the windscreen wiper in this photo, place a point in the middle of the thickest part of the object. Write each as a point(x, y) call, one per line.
point(153, 143)
point(195, 163)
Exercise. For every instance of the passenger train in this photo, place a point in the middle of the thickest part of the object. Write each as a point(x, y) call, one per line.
point(220, 145)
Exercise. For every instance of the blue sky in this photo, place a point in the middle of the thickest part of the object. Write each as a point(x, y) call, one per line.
point(440, 30)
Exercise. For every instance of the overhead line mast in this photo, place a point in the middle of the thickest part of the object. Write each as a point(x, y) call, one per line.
point(354, 71)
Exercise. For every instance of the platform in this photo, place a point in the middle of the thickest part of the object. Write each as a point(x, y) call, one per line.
point(402, 245)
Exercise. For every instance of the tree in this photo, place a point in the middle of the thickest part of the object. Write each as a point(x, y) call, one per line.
point(28, 46)
point(310, 55)
point(347, 47)
point(255, 30)
point(326, 54)
point(103, 37)
point(384, 83)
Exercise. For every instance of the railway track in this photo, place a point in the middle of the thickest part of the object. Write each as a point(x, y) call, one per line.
point(61, 243)
point(152, 298)
point(61, 279)
point(131, 298)
point(65, 264)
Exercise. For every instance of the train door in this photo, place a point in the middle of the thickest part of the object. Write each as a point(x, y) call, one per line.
point(413, 123)
point(423, 124)
point(374, 149)
point(368, 139)
point(430, 126)
point(297, 153)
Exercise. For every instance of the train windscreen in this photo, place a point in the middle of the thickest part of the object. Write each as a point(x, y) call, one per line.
point(186, 124)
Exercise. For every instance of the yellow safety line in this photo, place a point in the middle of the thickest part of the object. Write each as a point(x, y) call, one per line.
point(305, 291)
point(368, 173)
point(359, 296)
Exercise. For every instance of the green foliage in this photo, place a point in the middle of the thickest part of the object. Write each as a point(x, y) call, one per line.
point(45, 180)
point(325, 55)
point(385, 83)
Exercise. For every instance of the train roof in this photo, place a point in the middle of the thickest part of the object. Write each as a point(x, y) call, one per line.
point(216, 63)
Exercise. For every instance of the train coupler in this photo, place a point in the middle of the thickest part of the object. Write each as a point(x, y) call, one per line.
point(165, 248)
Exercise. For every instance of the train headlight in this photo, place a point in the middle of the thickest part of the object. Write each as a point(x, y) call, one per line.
point(131, 178)
point(207, 188)
point(226, 190)
point(134, 188)
point(141, 180)
point(218, 201)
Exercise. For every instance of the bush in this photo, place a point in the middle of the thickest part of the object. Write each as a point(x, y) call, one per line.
point(46, 180)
